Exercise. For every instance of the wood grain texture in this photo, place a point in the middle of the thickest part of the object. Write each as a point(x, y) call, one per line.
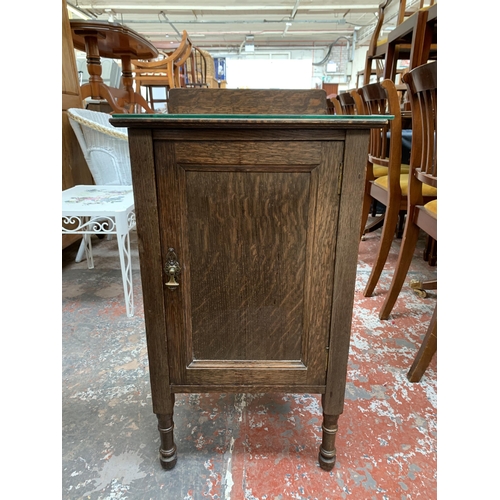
point(251, 153)
point(321, 255)
point(242, 237)
point(243, 101)
point(346, 255)
point(150, 254)
point(266, 235)
point(193, 132)
point(247, 237)
point(171, 224)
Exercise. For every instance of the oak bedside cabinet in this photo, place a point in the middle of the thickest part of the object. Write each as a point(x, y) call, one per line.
point(248, 229)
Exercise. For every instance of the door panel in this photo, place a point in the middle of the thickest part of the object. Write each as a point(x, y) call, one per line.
point(253, 245)
point(247, 237)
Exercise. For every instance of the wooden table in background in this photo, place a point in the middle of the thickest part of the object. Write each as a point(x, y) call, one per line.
point(112, 40)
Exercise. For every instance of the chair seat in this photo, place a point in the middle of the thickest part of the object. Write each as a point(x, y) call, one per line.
point(426, 190)
point(432, 208)
point(380, 171)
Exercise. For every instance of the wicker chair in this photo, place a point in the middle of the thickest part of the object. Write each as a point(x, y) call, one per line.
point(105, 149)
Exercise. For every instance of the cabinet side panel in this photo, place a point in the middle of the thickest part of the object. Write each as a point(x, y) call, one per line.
point(346, 257)
point(146, 210)
point(321, 256)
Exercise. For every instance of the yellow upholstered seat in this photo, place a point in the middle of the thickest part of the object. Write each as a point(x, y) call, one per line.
point(426, 189)
point(432, 208)
point(379, 170)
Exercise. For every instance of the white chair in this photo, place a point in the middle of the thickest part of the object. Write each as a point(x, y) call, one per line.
point(106, 151)
point(105, 148)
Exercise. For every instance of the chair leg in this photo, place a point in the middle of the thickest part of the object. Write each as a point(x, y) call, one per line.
point(373, 226)
point(365, 211)
point(401, 224)
point(430, 251)
point(123, 237)
point(87, 246)
point(426, 351)
point(408, 245)
point(420, 287)
point(81, 250)
point(388, 230)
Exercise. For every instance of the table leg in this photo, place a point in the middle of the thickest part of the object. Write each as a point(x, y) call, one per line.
point(123, 237)
point(327, 450)
point(87, 246)
point(168, 449)
point(128, 82)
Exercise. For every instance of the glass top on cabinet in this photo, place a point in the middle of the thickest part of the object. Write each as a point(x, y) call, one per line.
point(332, 118)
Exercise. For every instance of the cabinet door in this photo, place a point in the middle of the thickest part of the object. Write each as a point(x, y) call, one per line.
point(252, 225)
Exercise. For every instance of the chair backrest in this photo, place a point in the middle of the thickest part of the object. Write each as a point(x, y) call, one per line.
point(421, 83)
point(385, 142)
point(347, 103)
point(376, 33)
point(334, 107)
point(180, 65)
point(196, 69)
point(403, 13)
point(247, 101)
point(164, 72)
point(104, 147)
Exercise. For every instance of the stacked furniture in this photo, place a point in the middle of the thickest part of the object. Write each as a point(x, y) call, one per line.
point(405, 186)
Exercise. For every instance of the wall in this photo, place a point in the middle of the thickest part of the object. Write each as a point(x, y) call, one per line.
point(265, 69)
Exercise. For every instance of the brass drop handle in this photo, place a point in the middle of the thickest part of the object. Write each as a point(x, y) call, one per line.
point(173, 269)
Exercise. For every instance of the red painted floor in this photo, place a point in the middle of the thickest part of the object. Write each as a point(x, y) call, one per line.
point(243, 446)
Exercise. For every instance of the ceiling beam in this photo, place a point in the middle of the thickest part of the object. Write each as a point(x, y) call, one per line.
point(226, 8)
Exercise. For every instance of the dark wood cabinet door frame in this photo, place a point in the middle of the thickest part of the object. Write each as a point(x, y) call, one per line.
point(319, 163)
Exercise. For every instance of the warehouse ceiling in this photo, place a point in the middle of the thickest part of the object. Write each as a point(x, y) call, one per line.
point(228, 25)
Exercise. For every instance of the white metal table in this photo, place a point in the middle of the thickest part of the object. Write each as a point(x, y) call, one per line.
point(103, 210)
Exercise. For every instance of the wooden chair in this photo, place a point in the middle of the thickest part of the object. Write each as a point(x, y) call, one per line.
point(334, 107)
point(422, 89)
point(408, 41)
point(353, 104)
point(390, 189)
point(348, 103)
point(414, 39)
point(372, 53)
point(163, 74)
point(196, 69)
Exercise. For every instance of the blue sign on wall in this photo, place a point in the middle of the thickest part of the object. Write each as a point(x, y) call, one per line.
point(220, 68)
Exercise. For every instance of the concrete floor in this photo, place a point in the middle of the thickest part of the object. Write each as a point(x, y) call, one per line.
point(242, 446)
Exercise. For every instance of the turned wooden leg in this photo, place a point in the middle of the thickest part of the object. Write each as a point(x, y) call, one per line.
point(168, 450)
point(327, 451)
